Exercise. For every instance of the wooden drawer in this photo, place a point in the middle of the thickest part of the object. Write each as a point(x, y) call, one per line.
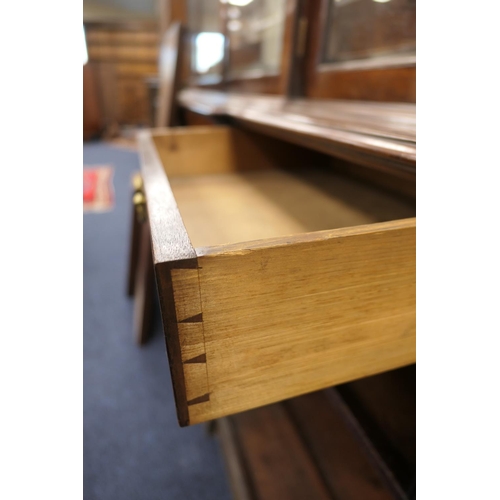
point(276, 277)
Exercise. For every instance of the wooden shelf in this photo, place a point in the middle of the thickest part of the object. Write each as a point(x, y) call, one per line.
point(244, 206)
point(368, 133)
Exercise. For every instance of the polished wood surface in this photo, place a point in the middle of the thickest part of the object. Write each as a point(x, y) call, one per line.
point(349, 463)
point(269, 432)
point(384, 120)
point(371, 134)
point(371, 84)
point(239, 479)
point(356, 295)
point(190, 119)
point(280, 271)
point(385, 407)
point(312, 446)
point(170, 241)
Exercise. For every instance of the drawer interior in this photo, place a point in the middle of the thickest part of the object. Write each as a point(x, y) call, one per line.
point(276, 276)
point(232, 186)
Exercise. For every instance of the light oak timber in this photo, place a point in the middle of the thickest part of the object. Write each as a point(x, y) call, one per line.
point(243, 206)
point(219, 149)
point(201, 150)
point(254, 322)
point(288, 317)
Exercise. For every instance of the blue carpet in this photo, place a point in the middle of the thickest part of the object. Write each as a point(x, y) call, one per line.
point(133, 445)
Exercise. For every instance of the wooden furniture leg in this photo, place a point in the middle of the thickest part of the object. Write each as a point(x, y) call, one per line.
point(138, 197)
point(144, 286)
point(134, 252)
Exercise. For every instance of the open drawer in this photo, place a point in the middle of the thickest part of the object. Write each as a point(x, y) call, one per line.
point(275, 277)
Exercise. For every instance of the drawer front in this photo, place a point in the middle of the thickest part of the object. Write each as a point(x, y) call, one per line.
point(248, 324)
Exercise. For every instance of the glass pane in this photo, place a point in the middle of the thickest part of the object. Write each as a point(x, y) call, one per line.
point(359, 29)
point(85, 53)
point(207, 40)
point(255, 29)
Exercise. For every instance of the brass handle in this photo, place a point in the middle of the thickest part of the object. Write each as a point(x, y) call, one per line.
point(139, 198)
point(137, 182)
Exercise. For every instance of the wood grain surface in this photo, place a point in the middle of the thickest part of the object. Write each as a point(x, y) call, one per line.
point(385, 407)
point(311, 446)
point(312, 292)
point(169, 77)
point(243, 206)
point(388, 120)
point(277, 460)
point(282, 318)
point(372, 134)
point(170, 248)
point(170, 241)
point(218, 149)
point(348, 463)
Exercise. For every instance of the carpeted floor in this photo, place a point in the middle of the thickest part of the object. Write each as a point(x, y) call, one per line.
point(133, 446)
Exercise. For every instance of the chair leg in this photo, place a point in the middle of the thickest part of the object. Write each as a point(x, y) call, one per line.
point(144, 288)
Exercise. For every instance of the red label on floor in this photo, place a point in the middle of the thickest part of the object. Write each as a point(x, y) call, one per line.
point(98, 193)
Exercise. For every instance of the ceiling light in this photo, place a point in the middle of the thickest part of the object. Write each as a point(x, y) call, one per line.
point(239, 3)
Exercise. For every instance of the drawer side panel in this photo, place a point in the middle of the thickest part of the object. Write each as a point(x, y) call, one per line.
point(305, 313)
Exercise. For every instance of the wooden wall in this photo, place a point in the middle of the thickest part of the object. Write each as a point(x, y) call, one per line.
point(123, 54)
point(92, 111)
